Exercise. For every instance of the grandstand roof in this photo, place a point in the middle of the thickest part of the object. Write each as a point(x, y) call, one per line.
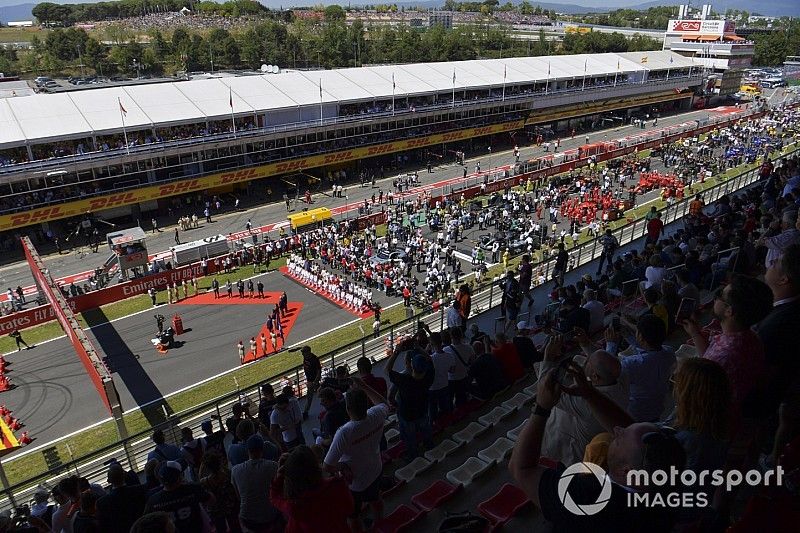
point(52, 117)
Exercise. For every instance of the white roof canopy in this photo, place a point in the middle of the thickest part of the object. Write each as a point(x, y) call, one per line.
point(52, 117)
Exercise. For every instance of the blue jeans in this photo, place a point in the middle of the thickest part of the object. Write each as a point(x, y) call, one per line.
point(439, 402)
point(408, 434)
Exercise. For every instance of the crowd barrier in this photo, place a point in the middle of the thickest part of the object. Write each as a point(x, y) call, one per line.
point(94, 465)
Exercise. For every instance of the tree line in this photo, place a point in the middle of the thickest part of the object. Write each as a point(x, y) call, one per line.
point(50, 14)
point(329, 43)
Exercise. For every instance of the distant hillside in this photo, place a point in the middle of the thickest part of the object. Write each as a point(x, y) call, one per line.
point(17, 12)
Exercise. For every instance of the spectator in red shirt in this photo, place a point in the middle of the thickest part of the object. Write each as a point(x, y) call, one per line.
point(506, 354)
point(309, 502)
point(655, 227)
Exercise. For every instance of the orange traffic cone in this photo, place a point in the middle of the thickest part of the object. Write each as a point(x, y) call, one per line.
point(24, 438)
point(5, 383)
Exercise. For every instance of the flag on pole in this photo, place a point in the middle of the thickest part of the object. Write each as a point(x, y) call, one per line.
point(320, 88)
point(585, 64)
point(122, 114)
point(505, 71)
point(122, 109)
point(393, 85)
point(548, 69)
point(671, 60)
point(617, 64)
point(230, 97)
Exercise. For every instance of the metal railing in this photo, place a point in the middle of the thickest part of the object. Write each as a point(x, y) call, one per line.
point(485, 297)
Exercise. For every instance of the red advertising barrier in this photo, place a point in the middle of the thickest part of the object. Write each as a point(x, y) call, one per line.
point(60, 309)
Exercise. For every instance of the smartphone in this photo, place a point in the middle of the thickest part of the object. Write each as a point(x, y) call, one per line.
point(561, 371)
point(685, 310)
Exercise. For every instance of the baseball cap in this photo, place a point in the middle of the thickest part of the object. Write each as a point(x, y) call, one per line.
point(170, 471)
point(522, 325)
point(255, 443)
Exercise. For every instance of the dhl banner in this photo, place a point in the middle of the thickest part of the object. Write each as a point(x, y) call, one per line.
point(600, 107)
point(155, 192)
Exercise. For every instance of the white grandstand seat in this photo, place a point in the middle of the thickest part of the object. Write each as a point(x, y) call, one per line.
point(413, 469)
point(391, 434)
point(513, 434)
point(466, 473)
point(469, 433)
point(442, 450)
point(497, 452)
point(517, 401)
point(495, 416)
point(392, 419)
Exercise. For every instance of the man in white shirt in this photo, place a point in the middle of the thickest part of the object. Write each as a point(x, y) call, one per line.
point(463, 356)
point(284, 422)
point(444, 363)
point(355, 449)
point(597, 311)
point(454, 315)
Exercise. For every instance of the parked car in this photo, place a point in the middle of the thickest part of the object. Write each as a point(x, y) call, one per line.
point(384, 256)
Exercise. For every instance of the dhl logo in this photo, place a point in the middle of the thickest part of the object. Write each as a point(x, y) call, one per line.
point(455, 136)
point(416, 143)
point(37, 215)
point(290, 166)
point(338, 157)
point(240, 175)
point(381, 149)
point(178, 188)
point(95, 204)
point(483, 131)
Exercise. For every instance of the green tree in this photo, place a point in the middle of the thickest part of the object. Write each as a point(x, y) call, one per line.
point(334, 13)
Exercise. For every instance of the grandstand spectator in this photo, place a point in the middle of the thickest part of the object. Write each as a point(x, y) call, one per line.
point(652, 299)
point(597, 311)
point(463, 357)
point(610, 244)
point(378, 384)
point(193, 450)
point(85, 520)
point(571, 315)
point(215, 478)
point(237, 451)
point(183, 501)
point(737, 306)
point(454, 315)
point(647, 369)
point(485, 373)
point(309, 501)
point(266, 403)
point(686, 289)
point(312, 369)
point(702, 412)
point(355, 450)
point(283, 423)
point(789, 235)
point(214, 440)
point(251, 480)
point(440, 400)
point(528, 354)
point(412, 398)
point(654, 273)
point(641, 446)
point(506, 354)
point(122, 505)
point(511, 299)
point(334, 417)
point(572, 425)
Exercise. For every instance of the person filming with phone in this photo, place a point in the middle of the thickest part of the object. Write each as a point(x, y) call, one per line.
point(572, 425)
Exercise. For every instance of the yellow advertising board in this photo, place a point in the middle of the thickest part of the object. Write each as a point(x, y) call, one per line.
point(602, 107)
point(220, 179)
